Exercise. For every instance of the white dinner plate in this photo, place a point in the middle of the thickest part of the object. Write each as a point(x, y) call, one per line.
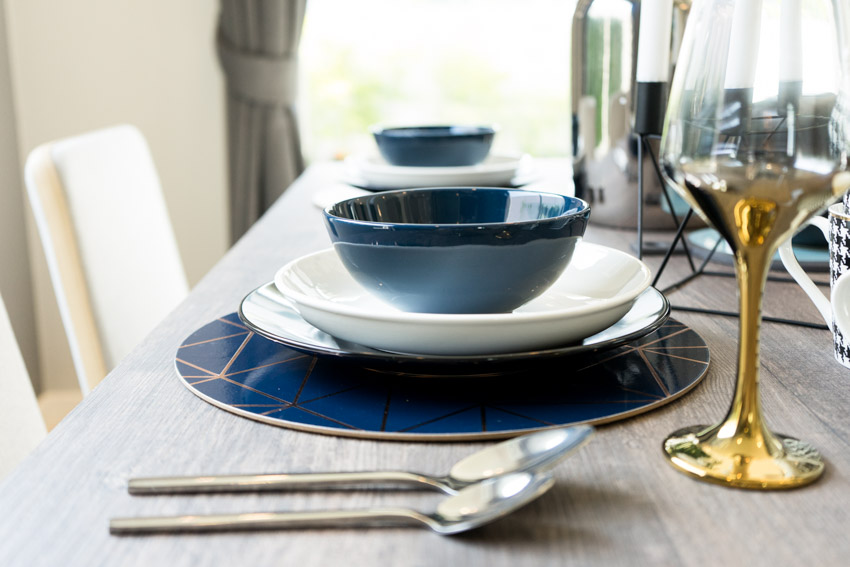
point(372, 172)
point(266, 312)
point(598, 287)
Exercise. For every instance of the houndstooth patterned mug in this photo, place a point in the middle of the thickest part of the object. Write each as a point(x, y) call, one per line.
point(836, 313)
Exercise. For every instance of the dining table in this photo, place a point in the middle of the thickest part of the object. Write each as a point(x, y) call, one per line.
point(615, 501)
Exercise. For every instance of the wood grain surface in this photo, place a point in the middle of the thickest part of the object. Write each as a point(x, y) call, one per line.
point(616, 502)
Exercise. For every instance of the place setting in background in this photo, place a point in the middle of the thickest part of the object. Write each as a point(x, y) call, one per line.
point(435, 156)
point(430, 156)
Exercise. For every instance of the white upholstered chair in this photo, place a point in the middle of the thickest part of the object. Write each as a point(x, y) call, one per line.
point(21, 423)
point(108, 242)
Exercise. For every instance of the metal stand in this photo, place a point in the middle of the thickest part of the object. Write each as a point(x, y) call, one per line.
point(643, 145)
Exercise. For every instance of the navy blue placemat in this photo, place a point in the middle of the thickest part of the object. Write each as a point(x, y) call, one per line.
point(237, 370)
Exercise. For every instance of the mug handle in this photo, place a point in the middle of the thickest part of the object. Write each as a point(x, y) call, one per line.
point(786, 253)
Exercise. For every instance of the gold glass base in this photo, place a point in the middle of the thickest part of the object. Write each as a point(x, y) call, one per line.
point(765, 461)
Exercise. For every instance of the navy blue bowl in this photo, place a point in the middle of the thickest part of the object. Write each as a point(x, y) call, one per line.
point(434, 146)
point(457, 249)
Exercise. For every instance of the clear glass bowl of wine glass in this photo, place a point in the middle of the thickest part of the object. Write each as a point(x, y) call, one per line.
point(756, 139)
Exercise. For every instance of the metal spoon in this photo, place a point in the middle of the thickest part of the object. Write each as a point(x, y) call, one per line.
point(474, 506)
point(538, 451)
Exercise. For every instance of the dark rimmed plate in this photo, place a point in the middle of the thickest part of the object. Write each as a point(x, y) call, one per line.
point(266, 312)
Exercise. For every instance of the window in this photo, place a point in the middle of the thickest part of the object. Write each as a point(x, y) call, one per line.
point(406, 62)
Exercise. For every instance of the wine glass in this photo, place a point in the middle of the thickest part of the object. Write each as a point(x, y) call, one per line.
point(756, 139)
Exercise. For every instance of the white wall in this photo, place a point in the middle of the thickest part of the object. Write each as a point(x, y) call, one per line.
point(78, 65)
point(15, 281)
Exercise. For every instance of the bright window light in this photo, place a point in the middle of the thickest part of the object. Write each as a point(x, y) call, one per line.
point(416, 62)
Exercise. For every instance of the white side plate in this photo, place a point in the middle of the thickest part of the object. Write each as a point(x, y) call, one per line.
point(375, 173)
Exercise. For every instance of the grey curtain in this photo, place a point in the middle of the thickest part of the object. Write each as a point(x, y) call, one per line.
point(257, 45)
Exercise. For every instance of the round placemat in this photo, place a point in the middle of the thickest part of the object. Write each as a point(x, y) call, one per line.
point(239, 371)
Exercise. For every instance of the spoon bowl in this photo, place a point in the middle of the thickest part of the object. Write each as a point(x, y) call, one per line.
point(539, 451)
point(489, 500)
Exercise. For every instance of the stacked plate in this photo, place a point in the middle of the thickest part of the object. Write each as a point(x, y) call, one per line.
point(373, 173)
point(602, 300)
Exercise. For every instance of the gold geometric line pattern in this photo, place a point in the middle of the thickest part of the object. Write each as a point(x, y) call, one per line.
point(664, 338)
point(214, 339)
point(274, 407)
point(323, 396)
point(511, 412)
point(260, 405)
point(650, 398)
point(196, 367)
point(648, 394)
point(224, 376)
point(518, 414)
point(624, 350)
point(304, 381)
point(441, 417)
point(214, 376)
point(236, 354)
point(654, 373)
point(221, 320)
point(274, 410)
point(387, 408)
point(293, 359)
point(203, 379)
point(283, 404)
point(323, 416)
point(667, 354)
point(256, 391)
point(686, 347)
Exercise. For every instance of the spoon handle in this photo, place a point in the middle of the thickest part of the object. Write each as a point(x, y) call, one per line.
point(268, 521)
point(271, 482)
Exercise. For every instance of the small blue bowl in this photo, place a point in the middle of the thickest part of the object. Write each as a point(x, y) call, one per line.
point(434, 146)
point(457, 249)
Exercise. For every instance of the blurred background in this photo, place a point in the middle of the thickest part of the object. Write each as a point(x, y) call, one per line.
point(77, 65)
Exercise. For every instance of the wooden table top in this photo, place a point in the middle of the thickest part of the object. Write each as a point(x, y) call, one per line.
point(616, 502)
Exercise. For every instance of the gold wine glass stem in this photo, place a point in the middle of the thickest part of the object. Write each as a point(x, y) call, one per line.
point(741, 451)
point(744, 420)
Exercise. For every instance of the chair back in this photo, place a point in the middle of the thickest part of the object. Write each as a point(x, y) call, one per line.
point(108, 241)
point(21, 423)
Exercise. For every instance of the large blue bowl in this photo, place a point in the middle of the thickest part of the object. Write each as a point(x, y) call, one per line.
point(457, 249)
point(434, 146)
